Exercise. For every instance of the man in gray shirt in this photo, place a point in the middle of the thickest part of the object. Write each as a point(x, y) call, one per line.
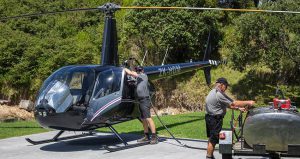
point(143, 97)
point(216, 104)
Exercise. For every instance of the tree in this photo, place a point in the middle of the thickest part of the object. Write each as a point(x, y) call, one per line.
point(269, 41)
point(32, 48)
point(184, 33)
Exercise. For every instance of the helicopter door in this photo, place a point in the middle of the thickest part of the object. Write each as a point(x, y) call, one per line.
point(108, 82)
point(128, 87)
point(106, 93)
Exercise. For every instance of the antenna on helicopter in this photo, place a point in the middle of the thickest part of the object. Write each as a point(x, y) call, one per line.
point(144, 57)
point(166, 54)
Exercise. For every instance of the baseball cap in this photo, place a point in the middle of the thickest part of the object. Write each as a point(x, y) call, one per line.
point(223, 81)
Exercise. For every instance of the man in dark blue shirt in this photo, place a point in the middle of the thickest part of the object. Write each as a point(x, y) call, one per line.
point(143, 96)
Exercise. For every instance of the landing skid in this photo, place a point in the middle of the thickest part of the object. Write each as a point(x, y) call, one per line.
point(114, 149)
point(56, 138)
point(126, 145)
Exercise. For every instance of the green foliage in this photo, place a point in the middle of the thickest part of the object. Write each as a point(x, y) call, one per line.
point(183, 33)
point(32, 48)
point(264, 46)
point(186, 92)
point(266, 40)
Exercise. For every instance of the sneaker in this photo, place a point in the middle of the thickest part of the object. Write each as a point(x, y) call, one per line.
point(154, 139)
point(144, 139)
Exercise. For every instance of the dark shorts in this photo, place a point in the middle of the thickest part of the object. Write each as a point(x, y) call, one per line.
point(145, 108)
point(214, 125)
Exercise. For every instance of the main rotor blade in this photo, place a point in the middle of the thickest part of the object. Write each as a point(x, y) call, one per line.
point(47, 13)
point(217, 9)
point(110, 6)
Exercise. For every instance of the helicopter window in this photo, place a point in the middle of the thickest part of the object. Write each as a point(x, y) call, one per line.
point(129, 87)
point(76, 86)
point(77, 80)
point(108, 82)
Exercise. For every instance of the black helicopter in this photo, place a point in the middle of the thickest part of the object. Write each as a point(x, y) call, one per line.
point(87, 97)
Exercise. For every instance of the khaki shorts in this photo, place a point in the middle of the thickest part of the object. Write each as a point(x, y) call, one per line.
point(145, 108)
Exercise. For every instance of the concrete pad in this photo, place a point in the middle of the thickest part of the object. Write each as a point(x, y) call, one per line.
point(92, 147)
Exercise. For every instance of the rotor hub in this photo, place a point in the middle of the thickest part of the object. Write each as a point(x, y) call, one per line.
point(109, 8)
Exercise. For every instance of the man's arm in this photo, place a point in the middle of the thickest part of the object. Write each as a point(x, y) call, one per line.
point(239, 103)
point(131, 73)
point(234, 104)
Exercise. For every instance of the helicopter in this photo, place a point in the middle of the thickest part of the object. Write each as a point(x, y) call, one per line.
point(87, 97)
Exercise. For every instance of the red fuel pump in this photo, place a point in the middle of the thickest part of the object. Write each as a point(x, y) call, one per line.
point(281, 103)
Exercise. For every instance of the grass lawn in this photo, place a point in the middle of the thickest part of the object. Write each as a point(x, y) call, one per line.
point(189, 125)
point(19, 128)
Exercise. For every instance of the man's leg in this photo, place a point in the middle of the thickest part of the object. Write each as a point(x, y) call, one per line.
point(210, 149)
point(154, 139)
point(213, 128)
point(146, 132)
point(145, 126)
point(151, 125)
point(145, 106)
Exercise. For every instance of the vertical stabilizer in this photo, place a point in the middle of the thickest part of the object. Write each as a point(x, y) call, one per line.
point(206, 58)
point(207, 75)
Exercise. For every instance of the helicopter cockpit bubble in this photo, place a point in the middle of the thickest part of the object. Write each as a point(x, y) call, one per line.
point(58, 97)
point(66, 87)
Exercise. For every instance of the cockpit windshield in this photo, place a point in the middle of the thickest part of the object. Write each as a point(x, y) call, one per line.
point(66, 87)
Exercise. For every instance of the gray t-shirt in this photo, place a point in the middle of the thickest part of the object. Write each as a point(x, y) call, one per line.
point(216, 102)
point(142, 86)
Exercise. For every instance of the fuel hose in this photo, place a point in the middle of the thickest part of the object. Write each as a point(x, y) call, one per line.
point(162, 123)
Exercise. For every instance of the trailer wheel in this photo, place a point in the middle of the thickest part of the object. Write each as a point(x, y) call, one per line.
point(226, 156)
